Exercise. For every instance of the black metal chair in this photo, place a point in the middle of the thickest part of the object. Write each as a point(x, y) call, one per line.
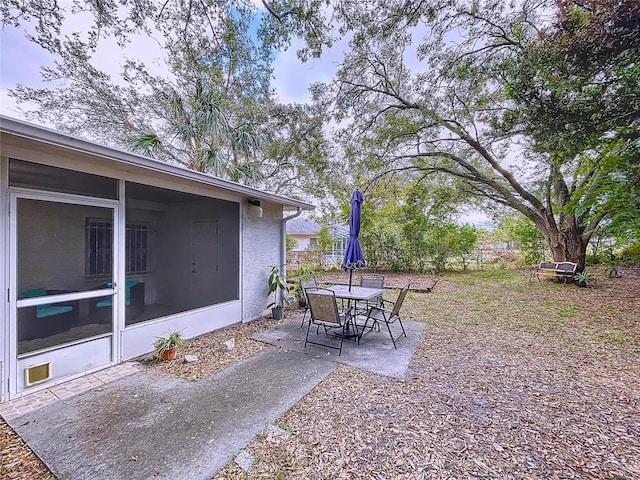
point(380, 314)
point(305, 285)
point(324, 313)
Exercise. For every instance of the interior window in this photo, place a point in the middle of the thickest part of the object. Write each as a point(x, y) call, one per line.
point(99, 234)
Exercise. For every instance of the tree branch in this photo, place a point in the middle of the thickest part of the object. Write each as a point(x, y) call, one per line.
point(276, 15)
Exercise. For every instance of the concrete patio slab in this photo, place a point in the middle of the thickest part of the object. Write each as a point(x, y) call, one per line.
point(148, 424)
point(374, 354)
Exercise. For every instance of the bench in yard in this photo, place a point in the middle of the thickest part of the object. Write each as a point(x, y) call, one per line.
point(559, 271)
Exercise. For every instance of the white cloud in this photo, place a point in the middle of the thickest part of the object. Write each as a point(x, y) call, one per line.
point(292, 77)
point(20, 63)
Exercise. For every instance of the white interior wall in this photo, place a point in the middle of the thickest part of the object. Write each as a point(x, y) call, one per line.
point(56, 231)
point(40, 232)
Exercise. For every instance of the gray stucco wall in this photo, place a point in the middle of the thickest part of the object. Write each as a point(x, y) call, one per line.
point(260, 250)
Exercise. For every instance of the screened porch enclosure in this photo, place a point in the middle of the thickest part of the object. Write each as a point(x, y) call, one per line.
point(51, 273)
point(185, 250)
point(179, 252)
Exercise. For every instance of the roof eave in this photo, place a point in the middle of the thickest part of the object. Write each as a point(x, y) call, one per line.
point(45, 135)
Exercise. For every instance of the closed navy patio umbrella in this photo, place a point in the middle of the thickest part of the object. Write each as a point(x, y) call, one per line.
point(353, 257)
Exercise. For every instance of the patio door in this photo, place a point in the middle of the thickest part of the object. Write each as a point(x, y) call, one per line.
point(63, 271)
point(204, 262)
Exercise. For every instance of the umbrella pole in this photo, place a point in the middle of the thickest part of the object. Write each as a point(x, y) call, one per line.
point(350, 277)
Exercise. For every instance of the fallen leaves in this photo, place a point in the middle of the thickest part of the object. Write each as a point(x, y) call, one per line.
point(511, 380)
point(17, 461)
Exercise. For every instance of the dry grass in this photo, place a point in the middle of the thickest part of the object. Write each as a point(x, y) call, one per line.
point(511, 380)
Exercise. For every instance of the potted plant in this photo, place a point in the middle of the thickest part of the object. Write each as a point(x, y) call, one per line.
point(165, 347)
point(582, 279)
point(277, 284)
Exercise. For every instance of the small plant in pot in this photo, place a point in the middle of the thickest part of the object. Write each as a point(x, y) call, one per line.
point(582, 279)
point(166, 347)
point(277, 284)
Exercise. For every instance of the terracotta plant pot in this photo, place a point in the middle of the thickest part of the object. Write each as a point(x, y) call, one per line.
point(169, 354)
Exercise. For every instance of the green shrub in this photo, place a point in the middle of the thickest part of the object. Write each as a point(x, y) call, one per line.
point(591, 259)
point(630, 256)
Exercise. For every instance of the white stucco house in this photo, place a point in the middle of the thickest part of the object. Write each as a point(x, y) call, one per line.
point(102, 250)
point(306, 233)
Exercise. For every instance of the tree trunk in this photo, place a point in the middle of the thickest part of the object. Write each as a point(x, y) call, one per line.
point(575, 248)
point(566, 245)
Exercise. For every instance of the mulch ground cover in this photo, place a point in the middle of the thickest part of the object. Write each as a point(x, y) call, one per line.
point(511, 379)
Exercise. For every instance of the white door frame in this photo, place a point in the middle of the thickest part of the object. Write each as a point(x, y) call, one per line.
point(16, 193)
point(4, 279)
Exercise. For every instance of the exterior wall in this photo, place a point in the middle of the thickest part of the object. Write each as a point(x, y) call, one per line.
point(257, 248)
point(5, 332)
point(137, 340)
point(261, 246)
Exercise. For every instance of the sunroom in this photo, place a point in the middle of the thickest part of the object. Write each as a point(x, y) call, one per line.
point(105, 250)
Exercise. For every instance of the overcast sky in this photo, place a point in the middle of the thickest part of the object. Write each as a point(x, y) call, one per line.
point(21, 60)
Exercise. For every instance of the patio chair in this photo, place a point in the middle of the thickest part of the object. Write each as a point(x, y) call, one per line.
point(324, 313)
point(305, 285)
point(380, 314)
point(46, 320)
point(371, 280)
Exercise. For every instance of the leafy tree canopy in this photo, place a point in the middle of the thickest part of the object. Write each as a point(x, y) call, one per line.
point(532, 105)
point(577, 94)
point(491, 94)
point(200, 96)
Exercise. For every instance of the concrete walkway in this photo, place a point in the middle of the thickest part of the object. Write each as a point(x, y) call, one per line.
point(150, 425)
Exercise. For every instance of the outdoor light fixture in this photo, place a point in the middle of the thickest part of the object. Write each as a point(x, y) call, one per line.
point(255, 210)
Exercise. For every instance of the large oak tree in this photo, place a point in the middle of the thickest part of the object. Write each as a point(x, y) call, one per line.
point(492, 94)
point(532, 105)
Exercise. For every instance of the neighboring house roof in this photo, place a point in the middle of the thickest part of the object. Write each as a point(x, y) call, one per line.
point(13, 129)
point(301, 226)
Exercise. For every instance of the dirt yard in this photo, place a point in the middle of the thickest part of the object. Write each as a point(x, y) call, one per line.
point(512, 379)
